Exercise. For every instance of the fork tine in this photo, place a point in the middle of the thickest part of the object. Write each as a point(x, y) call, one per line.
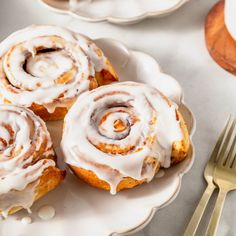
point(215, 151)
point(230, 158)
point(225, 144)
point(234, 162)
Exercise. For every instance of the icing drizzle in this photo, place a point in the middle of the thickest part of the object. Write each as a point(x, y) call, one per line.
point(47, 65)
point(113, 129)
point(23, 136)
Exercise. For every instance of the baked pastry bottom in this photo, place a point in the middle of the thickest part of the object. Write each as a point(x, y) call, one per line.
point(91, 178)
point(179, 153)
point(49, 180)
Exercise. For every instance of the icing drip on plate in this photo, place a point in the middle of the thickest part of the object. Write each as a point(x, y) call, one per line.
point(47, 65)
point(46, 212)
point(113, 130)
point(24, 140)
point(230, 17)
point(26, 220)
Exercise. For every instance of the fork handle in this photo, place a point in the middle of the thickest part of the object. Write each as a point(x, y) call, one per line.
point(215, 217)
point(196, 218)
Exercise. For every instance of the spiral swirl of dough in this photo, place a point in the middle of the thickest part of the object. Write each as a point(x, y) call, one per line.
point(50, 66)
point(121, 130)
point(25, 152)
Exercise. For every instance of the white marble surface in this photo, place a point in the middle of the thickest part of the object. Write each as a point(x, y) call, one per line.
point(177, 42)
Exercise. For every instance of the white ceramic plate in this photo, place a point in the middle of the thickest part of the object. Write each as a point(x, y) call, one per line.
point(83, 210)
point(115, 11)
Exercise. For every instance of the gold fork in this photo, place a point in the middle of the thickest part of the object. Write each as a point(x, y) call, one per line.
point(224, 176)
point(208, 174)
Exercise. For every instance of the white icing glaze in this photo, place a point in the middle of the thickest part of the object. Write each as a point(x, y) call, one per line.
point(42, 63)
point(145, 115)
point(46, 212)
point(20, 165)
point(160, 174)
point(26, 220)
point(230, 17)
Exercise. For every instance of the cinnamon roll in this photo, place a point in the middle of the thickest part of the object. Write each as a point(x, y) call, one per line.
point(27, 160)
point(118, 136)
point(45, 68)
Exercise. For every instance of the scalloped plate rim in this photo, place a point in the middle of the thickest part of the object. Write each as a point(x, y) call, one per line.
point(112, 19)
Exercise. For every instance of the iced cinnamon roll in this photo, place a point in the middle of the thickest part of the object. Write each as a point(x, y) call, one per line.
point(45, 68)
point(118, 136)
point(27, 160)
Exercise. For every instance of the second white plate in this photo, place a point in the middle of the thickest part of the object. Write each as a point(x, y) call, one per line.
point(115, 11)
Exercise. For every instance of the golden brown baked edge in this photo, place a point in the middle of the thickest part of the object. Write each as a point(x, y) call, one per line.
point(179, 153)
